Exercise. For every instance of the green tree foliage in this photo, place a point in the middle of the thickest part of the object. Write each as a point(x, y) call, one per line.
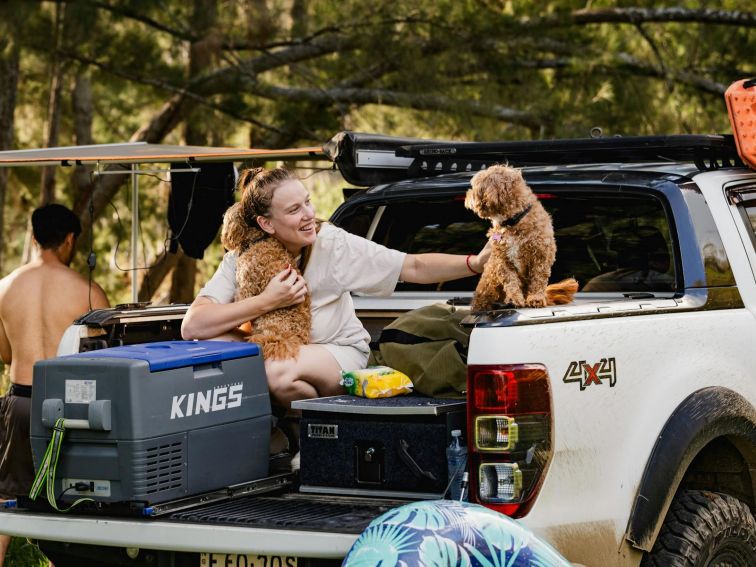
point(275, 73)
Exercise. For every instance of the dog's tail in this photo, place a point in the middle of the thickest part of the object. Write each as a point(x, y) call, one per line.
point(276, 348)
point(561, 292)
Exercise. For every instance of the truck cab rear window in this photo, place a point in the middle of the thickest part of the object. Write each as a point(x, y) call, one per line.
point(609, 242)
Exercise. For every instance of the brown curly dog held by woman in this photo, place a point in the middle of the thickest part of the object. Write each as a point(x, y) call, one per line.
point(260, 257)
point(523, 245)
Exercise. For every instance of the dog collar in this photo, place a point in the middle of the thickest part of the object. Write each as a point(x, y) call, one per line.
point(512, 221)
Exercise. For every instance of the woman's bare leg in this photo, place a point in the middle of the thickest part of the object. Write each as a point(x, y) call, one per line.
point(314, 373)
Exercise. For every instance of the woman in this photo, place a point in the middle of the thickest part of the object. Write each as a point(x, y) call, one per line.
point(334, 263)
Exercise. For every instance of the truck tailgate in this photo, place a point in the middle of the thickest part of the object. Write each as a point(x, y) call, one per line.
point(290, 524)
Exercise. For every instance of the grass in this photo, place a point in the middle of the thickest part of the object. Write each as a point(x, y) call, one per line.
point(4, 378)
point(21, 553)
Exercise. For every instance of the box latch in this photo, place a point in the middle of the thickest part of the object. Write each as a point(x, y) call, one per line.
point(369, 462)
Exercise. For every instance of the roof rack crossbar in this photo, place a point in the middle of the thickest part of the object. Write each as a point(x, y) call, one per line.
point(707, 152)
point(370, 159)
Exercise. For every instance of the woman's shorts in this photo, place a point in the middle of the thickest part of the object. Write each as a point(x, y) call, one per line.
point(348, 357)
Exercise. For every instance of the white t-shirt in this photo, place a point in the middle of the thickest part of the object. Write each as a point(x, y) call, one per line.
point(340, 263)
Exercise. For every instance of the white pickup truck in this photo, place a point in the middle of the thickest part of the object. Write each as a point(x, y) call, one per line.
point(625, 422)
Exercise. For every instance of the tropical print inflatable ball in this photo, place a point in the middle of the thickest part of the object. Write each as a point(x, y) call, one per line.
point(443, 533)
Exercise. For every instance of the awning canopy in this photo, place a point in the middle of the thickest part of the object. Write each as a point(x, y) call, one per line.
point(141, 152)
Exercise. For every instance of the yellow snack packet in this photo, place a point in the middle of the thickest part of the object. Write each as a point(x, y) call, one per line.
point(376, 382)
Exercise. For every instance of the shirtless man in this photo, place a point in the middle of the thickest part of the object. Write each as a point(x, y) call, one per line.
point(38, 302)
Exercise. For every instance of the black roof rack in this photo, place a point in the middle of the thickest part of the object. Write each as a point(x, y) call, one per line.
point(369, 159)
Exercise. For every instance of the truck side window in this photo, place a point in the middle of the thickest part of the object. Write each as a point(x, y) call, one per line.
point(609, 242)
point(745, 197)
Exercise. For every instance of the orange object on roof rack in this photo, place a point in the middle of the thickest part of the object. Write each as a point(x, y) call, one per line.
point(741, 106)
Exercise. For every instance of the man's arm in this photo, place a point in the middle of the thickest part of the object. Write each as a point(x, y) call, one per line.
point(99, 299)
point(5, 348)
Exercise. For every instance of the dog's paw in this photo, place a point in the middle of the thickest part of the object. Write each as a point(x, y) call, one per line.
point(481, 304)
point(535, 300)
point(514, 296)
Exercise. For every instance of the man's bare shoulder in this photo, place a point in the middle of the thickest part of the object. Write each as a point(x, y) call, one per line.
point(17, 277)
point(45, 280)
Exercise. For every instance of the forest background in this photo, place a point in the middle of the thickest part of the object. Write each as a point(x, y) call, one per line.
point(284, 73)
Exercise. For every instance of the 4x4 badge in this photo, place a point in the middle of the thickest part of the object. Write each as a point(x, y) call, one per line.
point(586, 374)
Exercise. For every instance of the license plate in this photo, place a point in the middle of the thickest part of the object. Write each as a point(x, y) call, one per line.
point(248, 560)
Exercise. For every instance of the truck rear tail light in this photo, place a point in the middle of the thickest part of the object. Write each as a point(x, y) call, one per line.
point(499, 483)
point(495, 433)
point(509, 413)
point(505, 433)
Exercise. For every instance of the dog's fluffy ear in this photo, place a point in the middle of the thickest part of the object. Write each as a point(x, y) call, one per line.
point(236, 234)
point(495, 190)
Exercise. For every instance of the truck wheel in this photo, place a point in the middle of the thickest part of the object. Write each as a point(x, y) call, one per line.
point(705, 529)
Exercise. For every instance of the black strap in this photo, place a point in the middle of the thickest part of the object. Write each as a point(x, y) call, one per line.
point(512, 221)
point(401, 337)
point(20, 390)
point(749, 83)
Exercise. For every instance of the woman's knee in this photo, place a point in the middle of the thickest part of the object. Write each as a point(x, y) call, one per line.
point(285, 383)
point(281, 375)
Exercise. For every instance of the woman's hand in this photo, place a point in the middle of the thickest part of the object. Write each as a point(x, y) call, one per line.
point(284, 289)
point(478, 261)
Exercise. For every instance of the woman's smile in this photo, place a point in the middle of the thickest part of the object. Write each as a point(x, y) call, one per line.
point(292, 217)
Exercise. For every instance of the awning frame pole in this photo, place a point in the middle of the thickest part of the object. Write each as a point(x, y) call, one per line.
point(134, 230)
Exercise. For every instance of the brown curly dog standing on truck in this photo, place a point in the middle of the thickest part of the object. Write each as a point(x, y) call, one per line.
point(260, 257)
point(524, 248)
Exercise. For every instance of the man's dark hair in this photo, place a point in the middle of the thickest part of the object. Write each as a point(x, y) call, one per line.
point(52, 223)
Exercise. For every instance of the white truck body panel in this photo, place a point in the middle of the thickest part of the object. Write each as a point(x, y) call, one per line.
point(593, 478)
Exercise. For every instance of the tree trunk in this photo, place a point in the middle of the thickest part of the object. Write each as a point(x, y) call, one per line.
point(81, 100)
point(54, 107)
point(81, 105)
point(156, 274)
point(299, 18)
point(261, 25)
point(182, 280)
point(9, 66)
point(196, 130)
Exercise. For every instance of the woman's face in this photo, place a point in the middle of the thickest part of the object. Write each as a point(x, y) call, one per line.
point(292, 217)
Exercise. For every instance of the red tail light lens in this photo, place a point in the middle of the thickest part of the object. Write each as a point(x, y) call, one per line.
point(519, 389)
point(509, 413)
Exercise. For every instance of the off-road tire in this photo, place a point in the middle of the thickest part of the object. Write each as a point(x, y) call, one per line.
point(705, 529)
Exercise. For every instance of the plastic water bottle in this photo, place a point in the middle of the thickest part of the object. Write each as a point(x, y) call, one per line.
point(456, 461)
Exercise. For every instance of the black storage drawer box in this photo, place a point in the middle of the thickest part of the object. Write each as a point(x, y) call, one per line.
point(389, 447)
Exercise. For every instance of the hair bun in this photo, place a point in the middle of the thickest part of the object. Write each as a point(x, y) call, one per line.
point(247, 176)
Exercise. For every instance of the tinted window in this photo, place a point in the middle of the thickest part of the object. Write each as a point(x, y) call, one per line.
point(608, 242)
point(747, 205)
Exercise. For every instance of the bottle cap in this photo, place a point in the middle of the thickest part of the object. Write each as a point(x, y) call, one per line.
point(457, 433)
